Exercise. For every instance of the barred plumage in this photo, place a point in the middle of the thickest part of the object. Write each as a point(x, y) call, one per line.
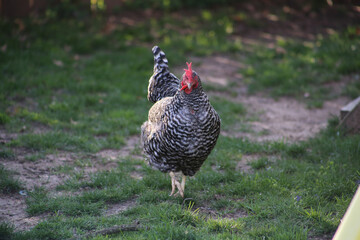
point(182, 127)
point(162, 83)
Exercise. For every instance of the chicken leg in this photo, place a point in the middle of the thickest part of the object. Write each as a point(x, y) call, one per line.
point(183, 182)
point(176, 183)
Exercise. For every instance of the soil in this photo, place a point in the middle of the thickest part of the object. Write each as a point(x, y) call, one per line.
point(45, 173)
point(244, 166)
point(117, 208)
point(13, 210)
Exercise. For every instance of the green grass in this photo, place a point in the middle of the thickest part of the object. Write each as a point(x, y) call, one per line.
point(230, 113)
point(259, 163)
point(8, 184)
point(6, 153)
point(67, 86)
point(311, 189)
point(6, 231)
point(353, 89)
point(300, 69)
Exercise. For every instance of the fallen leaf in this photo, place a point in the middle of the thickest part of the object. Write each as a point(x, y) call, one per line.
point(67, 48)
point(20, 24)
point(58, 63)
point(22, 38)
point(23, 129)
point(280, 50)
point(73, 122)
point(3, 48)
point(110, 26)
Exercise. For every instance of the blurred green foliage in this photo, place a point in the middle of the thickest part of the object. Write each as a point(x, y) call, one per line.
point(175, 4)
point(80, 9)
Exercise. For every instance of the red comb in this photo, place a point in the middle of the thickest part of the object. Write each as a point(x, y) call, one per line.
point(188, 71)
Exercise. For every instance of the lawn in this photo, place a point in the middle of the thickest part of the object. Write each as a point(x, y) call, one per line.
point(74, 88)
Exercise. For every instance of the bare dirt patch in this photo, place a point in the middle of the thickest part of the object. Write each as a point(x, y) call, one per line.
point(237, 214)
point(286, 119)
point(49, 171)
point(38, 173)
point(45, 172)
point(244, 164)
point(210, 213)
point(117, 208)
point(13, 210)
point(112, 154)
point(32, 174)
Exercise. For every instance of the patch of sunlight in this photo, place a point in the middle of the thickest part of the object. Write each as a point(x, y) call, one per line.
point(241, 16)
point(97, 5)
point(166, 4)
point(206, 15)
point(227, 24)
point(167, 40)
point(238, 43)
point(272, 17)
point(211, 34)
point(309, 44)
point(37, 117)
point(229, 28)
point(202, 40)
point(129, 37)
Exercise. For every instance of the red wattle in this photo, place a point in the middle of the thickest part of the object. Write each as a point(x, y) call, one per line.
point(183, 87)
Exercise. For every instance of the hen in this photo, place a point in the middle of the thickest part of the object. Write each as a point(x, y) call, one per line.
point(182, 126)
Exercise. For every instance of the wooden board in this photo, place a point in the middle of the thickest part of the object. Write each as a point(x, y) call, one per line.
point(349, 107)
point(350, 117)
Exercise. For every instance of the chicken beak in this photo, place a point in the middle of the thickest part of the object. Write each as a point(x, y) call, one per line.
point(189, 85)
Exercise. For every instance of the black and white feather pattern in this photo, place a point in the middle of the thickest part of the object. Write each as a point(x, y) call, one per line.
point(162, 83)
point(182, 129)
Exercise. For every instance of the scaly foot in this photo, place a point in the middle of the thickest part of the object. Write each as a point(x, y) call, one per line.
point(176, 183)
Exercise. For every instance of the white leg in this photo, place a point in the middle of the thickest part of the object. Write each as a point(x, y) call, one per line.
point(172, 175)
point(181, 186)
point(181, 192)
point(176, 183)
point(183, 183)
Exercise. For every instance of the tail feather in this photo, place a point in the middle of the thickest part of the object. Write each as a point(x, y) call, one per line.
point(162, 83)
point(160, 60)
